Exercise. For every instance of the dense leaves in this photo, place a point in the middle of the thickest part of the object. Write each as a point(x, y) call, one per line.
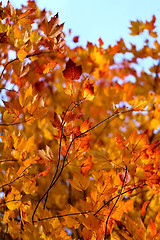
point(80, 139)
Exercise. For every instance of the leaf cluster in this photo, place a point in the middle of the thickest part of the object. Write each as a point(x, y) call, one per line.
point(80, 139)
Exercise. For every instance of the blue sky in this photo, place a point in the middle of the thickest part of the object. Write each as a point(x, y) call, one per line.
point(108, 19)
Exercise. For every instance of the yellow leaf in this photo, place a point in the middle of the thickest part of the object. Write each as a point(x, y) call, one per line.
point(139, 104)
point(3, 27)
point(34, 58)
point(80, 182)
point(13, 199)
point(7, 117)
point(154, 124)
point(30, 145)
point(29, 187)
point(49, 66)
point(35, 37)
point(70, 88)
point(25, 96)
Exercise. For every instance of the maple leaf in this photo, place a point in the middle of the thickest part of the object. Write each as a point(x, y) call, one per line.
point(72, 72)
point(13, 199)
point(86, 166)
point(71, 220)
point(49, 66)
point(139, 104)
point(136, 27)
point(46, 156)
point(120, 141)
point(88, 91)
point(79, 182)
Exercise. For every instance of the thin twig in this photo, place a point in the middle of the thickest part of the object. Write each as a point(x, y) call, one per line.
point(65, 158)
point(105, 237)
point(87, 212)
point(21, 175)
point(60, 147)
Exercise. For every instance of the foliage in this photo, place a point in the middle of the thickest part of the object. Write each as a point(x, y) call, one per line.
point(79, 150)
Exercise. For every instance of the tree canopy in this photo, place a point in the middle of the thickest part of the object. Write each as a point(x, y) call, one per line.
point(80, 132)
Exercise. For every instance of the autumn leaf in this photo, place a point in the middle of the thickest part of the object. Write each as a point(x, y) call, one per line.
point(139, 104)
point(88, 91)
point(72, 72)
point(120, 141)
point(152, 228)
point(50, 66)
point(21, 54)
point(86, 166)
point(100, 42)
point(64, 173)
point(136, 27)
point(70, 88)
point(79, 182)
point(85, 125)
point(144, 207)
point(13, 199)
point(44, 173)
point(76, 39)
point(46, 156)
point(25, 96)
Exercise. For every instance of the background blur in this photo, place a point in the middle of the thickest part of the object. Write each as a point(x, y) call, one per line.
point(107, 19)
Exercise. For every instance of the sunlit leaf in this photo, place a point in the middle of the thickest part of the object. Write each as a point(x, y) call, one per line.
point(22, 54)
point(88, 91)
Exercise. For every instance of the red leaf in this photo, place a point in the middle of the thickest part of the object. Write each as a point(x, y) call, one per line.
point(72, 72)
point(56, 121)
point(76, 39)
point(120, 141)
point(100, 42)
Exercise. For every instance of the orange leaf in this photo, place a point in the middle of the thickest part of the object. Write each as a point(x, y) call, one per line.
point(120, 141)
point(86, 166)
point(144, 207)
point(79, 182)
point(44, 173)
point(72, 72)
point(85, 125)
point(49, 66)
point(22, 54)
point(152, 228)
point(70, 88)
